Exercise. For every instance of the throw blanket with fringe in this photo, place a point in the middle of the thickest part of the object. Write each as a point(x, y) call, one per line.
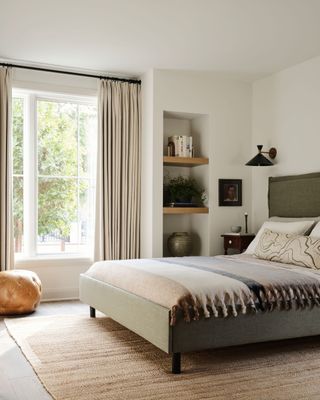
point(213, 286)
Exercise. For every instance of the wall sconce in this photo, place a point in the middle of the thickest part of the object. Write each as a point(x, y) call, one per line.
point(260, 159)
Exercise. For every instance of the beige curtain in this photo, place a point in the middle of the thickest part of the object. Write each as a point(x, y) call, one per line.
point(117, 228)
point(6, 226)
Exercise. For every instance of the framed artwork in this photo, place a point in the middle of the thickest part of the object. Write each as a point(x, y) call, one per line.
point(230, 192)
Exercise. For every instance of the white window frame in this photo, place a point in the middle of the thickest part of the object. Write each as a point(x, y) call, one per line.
point(30, 171)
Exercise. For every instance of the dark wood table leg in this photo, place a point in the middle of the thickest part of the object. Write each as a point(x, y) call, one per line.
point(176, 363)
point(92, 312)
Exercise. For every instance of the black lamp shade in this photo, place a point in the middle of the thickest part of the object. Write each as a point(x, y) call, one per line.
point(259, 160)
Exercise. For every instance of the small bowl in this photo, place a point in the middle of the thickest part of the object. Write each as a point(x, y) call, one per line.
point(236, 229)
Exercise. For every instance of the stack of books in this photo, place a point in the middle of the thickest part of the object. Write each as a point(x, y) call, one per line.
point(180, 146)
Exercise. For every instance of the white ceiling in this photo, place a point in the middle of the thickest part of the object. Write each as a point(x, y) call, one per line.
point(246, 38)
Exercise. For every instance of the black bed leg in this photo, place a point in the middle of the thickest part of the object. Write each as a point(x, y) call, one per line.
point(176, 363)
point(92, 312)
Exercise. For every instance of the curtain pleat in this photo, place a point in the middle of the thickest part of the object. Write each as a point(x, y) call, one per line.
point(6, 222)
point(117, 228)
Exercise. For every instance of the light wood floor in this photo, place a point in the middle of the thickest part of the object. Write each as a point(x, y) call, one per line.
point(17, 378)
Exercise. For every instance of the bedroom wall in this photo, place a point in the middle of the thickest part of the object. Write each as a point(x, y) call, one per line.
point(286, 115)
point(147, 181)
point(227, 103)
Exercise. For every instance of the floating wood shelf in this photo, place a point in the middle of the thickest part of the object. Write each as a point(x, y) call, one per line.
point(185, 161)
point(185, 210)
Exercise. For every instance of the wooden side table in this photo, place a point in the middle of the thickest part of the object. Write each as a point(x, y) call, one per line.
point(237, 242)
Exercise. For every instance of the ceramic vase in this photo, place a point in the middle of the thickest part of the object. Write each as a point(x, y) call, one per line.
point(180, 244)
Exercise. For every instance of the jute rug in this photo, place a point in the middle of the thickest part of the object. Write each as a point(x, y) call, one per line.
point(80, 358)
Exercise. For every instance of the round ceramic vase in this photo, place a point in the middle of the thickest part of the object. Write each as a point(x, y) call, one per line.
point(180, 244)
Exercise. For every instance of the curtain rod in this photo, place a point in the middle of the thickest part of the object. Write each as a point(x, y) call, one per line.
point(57, 71)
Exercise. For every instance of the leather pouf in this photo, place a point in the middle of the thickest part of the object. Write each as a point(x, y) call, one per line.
point(20, 292)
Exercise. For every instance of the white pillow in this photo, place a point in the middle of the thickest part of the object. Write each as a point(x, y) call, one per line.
point(293, 219)
point(316, 231)
point(298, 228)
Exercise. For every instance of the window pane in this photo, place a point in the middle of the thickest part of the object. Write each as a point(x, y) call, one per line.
point(87, 134)
point(57, 215)
point(61, 189)
point(57, 138)
point(86, 214)
point(17, 135)
point(18, 213)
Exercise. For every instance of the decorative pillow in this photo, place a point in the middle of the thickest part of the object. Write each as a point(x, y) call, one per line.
point(294, 219)
point(294, 228)
point(316, 231)
point(289, 249)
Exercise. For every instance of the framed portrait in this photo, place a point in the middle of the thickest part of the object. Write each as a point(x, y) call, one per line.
point(230, 192)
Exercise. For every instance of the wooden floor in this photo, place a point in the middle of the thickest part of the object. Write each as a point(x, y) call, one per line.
point(17, 378)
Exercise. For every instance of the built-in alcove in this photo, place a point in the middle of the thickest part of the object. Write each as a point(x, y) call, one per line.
point(195, 221)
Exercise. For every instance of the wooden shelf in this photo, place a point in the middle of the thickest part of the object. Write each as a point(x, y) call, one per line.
point(185, 161)
point(185, 210)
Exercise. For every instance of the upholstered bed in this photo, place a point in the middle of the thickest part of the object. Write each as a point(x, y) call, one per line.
point(246, 320)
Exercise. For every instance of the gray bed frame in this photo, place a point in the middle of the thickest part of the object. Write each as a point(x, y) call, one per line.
point(151, 321)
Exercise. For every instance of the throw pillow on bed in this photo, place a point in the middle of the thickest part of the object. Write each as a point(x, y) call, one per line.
point(289, 249)
point(316, 231)
point(297, 228)
point(297, 219)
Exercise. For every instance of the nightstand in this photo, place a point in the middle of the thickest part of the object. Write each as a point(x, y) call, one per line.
point(236, 241)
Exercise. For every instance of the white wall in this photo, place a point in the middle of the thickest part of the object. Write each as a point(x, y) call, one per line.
point(227, 103)
point(147, 181)
point(60, 277)
point(286, 115)
point(60, 83)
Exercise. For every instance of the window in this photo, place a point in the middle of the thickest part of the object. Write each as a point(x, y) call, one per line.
point(54, 147)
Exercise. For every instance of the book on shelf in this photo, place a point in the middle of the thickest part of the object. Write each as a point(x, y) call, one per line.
point(180, 146)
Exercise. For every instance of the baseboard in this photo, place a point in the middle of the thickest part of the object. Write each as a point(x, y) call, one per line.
point(56, 294)
point(47, 300)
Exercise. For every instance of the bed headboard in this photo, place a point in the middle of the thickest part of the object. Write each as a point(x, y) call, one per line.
point(294, 196)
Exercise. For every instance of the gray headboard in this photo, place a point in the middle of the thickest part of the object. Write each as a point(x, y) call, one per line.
point(294, 196)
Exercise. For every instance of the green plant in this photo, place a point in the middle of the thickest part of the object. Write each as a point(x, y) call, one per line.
point(184, 189)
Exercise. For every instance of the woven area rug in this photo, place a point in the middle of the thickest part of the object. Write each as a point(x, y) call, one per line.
point(80, 358)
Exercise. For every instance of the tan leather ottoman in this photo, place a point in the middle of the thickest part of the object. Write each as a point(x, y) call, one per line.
point(20, 292)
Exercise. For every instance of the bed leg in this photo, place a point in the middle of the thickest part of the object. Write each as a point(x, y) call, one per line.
point(92, 312)
point(176, 363)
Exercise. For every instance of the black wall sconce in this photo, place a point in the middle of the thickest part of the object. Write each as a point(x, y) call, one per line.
point(260, 160)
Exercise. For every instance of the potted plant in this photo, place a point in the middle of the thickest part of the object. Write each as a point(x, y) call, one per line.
point(183, 190)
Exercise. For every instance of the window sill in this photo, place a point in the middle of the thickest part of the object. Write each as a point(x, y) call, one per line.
point(56, 261)
point(53, 257)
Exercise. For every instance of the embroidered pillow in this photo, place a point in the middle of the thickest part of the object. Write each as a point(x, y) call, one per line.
point(293, 228)
point(289, 249)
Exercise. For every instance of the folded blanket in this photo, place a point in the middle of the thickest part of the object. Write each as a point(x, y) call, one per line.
point(213, 286)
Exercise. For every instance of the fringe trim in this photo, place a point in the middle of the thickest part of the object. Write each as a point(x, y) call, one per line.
point(278, 297)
